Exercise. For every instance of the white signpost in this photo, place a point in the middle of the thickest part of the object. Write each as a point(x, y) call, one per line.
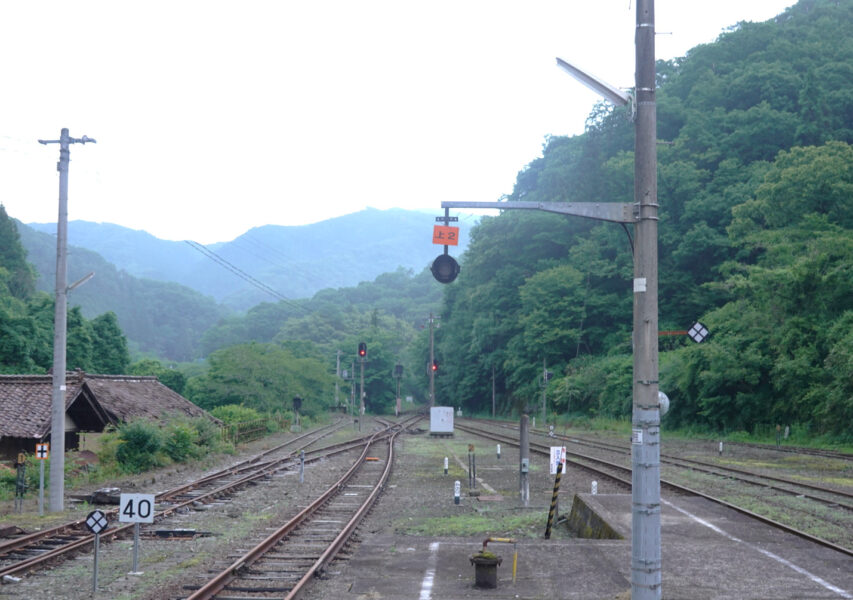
point(136, 509)
point(42, 454)
point(558, 456)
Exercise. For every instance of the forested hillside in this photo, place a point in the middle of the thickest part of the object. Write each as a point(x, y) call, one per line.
point(162, 319)
point(389, 314)
point(755, 173)
point(26, 321)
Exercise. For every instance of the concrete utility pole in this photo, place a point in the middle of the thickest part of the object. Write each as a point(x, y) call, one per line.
point(645, 436)
point(60, 321)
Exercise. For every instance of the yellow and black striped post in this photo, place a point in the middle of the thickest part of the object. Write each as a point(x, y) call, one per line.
point(553, 509)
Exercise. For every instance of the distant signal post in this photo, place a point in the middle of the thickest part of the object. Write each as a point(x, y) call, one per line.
point(445, 268)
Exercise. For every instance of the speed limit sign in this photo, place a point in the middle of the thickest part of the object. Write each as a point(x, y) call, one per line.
point(136, 508)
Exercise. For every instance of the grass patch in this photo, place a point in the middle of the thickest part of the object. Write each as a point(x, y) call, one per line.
point(189, 563)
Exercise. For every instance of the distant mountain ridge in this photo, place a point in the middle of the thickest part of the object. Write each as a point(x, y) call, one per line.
point(295, 261)
point(159, 318)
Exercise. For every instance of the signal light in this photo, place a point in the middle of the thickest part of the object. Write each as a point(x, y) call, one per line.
point(435, 365)
point(444, 268)
point(362, 349)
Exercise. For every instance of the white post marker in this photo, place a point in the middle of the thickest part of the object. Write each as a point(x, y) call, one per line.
point(136, 509)
point(499, 451)
point(445, 465)
point(594, 488)
point(457, 491)
point(42, 454)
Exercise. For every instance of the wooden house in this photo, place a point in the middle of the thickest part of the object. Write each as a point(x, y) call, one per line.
point(91, 403)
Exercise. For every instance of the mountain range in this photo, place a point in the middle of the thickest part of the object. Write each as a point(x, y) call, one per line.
point(267, 262)
point(167, 294)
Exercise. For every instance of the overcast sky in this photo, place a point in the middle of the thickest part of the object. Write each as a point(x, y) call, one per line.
point(215, 117)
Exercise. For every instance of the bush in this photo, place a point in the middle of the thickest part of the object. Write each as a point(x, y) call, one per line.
point(235, 413)
point(209, 436)
point(181, 441)
point(139, 447)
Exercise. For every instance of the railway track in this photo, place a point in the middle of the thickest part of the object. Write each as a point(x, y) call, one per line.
point(622, 474)
point(32, 551)
point(829, 496)
point(796, 450)
point(284, 562)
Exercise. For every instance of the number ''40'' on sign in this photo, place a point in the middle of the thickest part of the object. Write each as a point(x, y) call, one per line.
point(136, 508)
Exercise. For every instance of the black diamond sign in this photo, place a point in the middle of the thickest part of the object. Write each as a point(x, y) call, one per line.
point(96, 521)
point(697, 332)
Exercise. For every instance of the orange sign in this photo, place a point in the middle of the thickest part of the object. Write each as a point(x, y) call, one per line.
point(444, 235)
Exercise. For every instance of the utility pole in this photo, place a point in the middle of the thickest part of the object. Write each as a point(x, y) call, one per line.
point(361, 391)
point(60, 322)
point(645, 436)
point(398, 374)
point(493, 391)
point(337, 379)
point(352, 389)
point(544, 387)
point(431, 363)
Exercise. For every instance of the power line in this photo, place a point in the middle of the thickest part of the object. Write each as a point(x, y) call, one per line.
point(242, 274)
point(244, 243)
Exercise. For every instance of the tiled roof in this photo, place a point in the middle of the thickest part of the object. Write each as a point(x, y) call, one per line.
point(128, 397)
point(25, 400)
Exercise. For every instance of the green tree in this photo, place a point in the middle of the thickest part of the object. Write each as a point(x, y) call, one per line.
point(79, 341)
point(168, 376)
point(264, 377)
point(109, 351)
point(16, 275)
